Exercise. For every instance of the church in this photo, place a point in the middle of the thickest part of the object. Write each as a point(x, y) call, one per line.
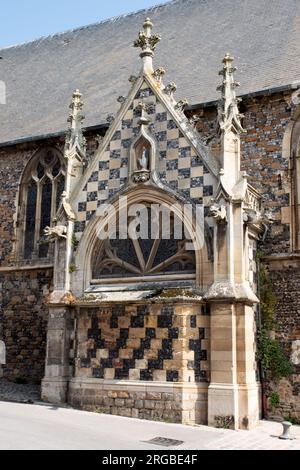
point(150, 224)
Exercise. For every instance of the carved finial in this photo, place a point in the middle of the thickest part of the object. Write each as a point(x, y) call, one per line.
point(74, 137)
point(143, 108)
point(228, 113)
point(147, 42)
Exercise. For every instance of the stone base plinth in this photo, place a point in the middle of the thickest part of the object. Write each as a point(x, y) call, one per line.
point(54, 390)
point(233, 406)
point(161, 401)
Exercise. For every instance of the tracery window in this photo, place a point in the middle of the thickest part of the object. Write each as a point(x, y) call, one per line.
point(41, 189)
point(144, 257)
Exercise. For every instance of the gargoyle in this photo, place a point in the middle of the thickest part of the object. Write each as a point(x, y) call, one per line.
point(53, 233)
point(218, 213)
point(258, 218)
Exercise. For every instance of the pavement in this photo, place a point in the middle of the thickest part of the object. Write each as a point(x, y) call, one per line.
point(48, 427)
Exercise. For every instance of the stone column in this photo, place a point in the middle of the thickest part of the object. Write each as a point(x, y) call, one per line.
point(248, 390)
point(222, 391)
point(57, 371)
point(233, 393)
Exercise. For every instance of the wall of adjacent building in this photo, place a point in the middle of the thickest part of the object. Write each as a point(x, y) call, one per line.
point(265, 158)
point(23, 314)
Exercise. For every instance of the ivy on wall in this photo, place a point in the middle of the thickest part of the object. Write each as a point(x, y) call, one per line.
point(274, 362)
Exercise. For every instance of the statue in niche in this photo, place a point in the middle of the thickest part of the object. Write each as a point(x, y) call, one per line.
point(143, 160)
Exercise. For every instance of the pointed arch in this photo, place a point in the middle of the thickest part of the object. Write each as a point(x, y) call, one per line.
point(41, 186)
point(142, 268)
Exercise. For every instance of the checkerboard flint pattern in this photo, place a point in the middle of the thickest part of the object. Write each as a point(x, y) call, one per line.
point(179, 166)
point(143, 343)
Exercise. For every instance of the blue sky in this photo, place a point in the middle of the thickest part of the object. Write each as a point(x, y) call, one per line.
point(25, 20)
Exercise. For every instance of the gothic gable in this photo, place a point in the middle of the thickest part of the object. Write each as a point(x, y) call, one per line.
point(181, 161)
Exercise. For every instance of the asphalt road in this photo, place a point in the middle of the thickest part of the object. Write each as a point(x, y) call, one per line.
point(45, 427)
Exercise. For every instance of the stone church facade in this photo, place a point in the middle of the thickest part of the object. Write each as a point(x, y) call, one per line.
point(162, 327)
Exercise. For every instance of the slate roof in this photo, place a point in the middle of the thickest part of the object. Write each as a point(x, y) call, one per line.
point(40, 76)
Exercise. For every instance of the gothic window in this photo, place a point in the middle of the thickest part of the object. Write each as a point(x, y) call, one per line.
point(145, 256)
point(41, 189)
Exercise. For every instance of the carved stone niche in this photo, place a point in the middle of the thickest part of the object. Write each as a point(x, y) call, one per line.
point(142, 159)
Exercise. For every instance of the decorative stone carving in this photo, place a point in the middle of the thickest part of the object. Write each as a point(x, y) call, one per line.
point(74, 138)
point(132, 79)
point(110, 119)
point(147, 41)
point(67, 207)
point(143, 160)
point(258, 220)
point(181, 105)
point(158, 74)
point(121, 99)
point(54, 233)
point(228, 113)
point(194, 119)
point(170, 89)
point(218, 213)
point(142, 106)
point(99, 139)
point(141, 176)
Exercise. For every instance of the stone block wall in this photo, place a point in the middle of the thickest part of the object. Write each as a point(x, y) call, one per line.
point(171, 402)
point(142, 348)
point(143, 342)
point(23, 320)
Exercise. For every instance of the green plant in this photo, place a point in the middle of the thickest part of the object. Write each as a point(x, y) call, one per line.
point(272, 358)
point(75, 242)
point(224, 422)
point(72, 268)
point(291, 419)
point(274, 400)
point(274, 363)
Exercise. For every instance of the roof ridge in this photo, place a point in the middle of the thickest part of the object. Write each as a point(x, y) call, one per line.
point(97, 23)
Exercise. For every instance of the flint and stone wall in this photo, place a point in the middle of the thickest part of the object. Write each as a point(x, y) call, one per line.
point(23, 320)
point(266, 120)
point(23, 315)
point(286, 281)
